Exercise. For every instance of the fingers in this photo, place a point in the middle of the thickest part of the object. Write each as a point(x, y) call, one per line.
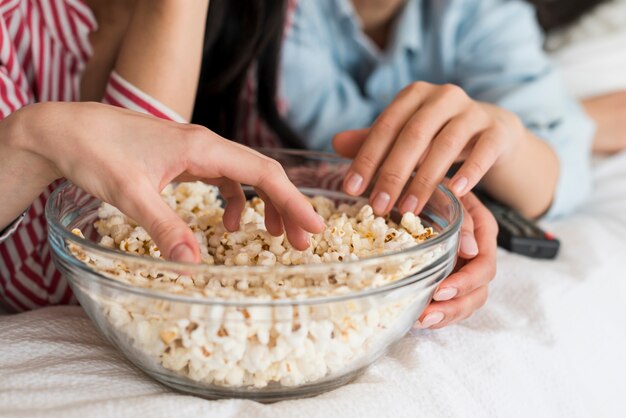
point(297, 237)
point(381, 137)
point(246, 166)
point(276, 224)
point(348, 143)
point(173, 237)
point(414, 139)
point(468, 247)
point(444, 149)
point(485, 225)
point(481, 269)
point(473, 275)
point(440, 314)
point(480, 160)
point(235, 202)
point(273, 221)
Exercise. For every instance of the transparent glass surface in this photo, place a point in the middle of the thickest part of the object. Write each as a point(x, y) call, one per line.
point(246, 346)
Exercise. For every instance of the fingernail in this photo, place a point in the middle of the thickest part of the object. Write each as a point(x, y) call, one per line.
point(322, 220)
point(182, 254)
point(459, 185)
point(468, 244)
point(380, 202)
point(409, 204)
point(353, 183)
point(446, 293)
point(432, 319)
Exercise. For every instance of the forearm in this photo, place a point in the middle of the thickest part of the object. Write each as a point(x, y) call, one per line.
point(609, 113)
point(23, 174)
point(526, 179)
point(162, 51)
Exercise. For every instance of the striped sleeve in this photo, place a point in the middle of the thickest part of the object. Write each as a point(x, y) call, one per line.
point(120, 92)
point(14, 92)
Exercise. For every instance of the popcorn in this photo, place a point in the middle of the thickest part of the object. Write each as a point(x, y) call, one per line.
point(288, 344)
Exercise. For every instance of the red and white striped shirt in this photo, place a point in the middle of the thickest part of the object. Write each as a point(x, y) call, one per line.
point(44, 47)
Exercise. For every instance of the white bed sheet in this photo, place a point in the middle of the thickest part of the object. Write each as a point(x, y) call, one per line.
point(550, 342)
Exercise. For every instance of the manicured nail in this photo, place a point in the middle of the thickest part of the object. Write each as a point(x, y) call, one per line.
point(322, 221)
point(468, 244)
point(459, 185)
point(446, 293)
point(432, 319)
point(353, 183)
point(380, 202)
point(409, 204)
point(182, 254)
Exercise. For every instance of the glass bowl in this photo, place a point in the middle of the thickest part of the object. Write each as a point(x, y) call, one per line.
point(256, 347)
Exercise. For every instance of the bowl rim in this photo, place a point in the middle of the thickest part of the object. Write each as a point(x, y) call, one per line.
point(451, 230)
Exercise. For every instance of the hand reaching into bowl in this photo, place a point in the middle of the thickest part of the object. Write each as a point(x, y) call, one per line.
point(126, 158)
point(466, 290)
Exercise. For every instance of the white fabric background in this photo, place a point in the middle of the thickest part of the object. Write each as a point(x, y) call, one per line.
point(592, 53)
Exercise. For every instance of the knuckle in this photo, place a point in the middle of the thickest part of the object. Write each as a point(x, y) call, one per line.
point(497, 131)
point(474, 168)
point(454, 312)
point(367, 162)
point(514, 120)
point(165, 228)
point(415, 87)
point(393, 178)
point(194, 134)
point(449, 140)
point(415, 132)
point(271, 171)
point(424, 181)
point(453, 90)
point(384, 124)
point(193, 139)
point(275, 167)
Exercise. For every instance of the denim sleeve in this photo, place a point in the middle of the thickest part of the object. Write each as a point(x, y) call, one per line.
point(320, 98)
point(500, 60)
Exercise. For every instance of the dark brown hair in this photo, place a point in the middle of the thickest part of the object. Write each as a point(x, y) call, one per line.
point(240, 34)
point(554, 14)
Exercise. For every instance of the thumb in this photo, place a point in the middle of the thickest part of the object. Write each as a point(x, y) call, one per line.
point(173, 237)
point(468, 247)
point(348, 143)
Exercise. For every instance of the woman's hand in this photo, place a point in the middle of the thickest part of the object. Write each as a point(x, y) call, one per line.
point(126, 159)
point(430, 127)
point(466, 290)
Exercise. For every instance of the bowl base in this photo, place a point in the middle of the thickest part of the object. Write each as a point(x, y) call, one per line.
point(263, 396)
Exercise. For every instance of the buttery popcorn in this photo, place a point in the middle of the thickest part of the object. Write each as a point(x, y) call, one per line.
point(256, 345)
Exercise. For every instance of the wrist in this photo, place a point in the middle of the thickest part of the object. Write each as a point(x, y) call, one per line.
point(23, 173)
point(516, 135)
point(28, 146)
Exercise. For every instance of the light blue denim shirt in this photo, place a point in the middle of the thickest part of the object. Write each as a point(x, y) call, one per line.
point(334, 78)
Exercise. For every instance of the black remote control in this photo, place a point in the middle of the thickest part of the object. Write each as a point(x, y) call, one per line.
point(520, 235)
